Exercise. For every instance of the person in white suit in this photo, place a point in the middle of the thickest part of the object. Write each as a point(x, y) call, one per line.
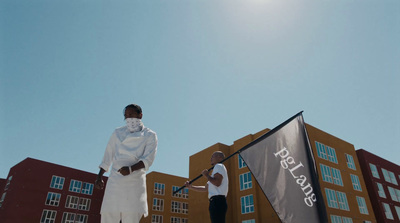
point(130, 152)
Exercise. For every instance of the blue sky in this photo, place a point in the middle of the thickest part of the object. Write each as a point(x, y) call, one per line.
point(203, 71)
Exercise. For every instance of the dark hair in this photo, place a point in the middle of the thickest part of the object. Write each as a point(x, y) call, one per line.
point(136, 107)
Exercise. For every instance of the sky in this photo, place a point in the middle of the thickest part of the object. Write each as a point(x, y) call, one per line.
point(203, 72)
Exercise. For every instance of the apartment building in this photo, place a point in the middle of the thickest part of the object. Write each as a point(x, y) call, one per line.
point(382, 179)
point(38, 191)
point(341, 180)
point(164, 206)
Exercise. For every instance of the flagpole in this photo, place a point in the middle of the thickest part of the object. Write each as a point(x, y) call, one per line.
point(245, 147)
point(190, 182)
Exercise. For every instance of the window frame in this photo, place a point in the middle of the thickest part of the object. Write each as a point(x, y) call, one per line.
point(55, 182)
point(388, 211)
point(247, 204)
point(350, 161)
point(362, 205)
point(47, 218)
point(245, 181)
point(355, 180)
point(53, 199)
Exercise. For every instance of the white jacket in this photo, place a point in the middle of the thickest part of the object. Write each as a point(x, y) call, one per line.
point(128, 193)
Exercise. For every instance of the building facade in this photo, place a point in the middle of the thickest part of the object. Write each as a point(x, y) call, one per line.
point(340, 176)
point(382, 179)
point(38, 191)
point(341, 180)
point(164, 206)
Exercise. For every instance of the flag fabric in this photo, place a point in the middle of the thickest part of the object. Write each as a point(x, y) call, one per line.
point(283, 165)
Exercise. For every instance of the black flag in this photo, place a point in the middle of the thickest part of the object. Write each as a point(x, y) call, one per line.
point(283, 165)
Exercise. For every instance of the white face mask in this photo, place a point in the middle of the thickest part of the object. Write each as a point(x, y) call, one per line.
point(134, 124)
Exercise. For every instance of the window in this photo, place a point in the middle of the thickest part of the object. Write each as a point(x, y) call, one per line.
point(331, 198)
point(392, 193)
point(84, 204)
point(175, 207)
point(329, 173)
point(245, 181)
point(336, 219)
point(177, 194)
point(185, 193)
point(331, 154)
point(342, 201)
point(347, 220)
point(249, 221)
point(75, 186)
point(158, 204)
point(392, 178)
point(386, 175)
point(8, 182)
point(397, 211)
point(48, 216)
point(179, 207)
point(362, 206)
point(321, 150)
point(388, 212)
point(374, 170)
point(326, 152)
point(326, 173)
point(175, 220)
point(185, 208)
point(339, 219)
point(68, 218)
point(159, 188)
point(381, 191)
point(337, 177)
point(247, 204)
point(3, 196)
point(356, 182)
point(397, 194)
point(156, 219)
point(87, 188)
point(241, 163)
point(57, 182)
point(350, 162)
point(72, 202)
point(81, 218)
point(53, 199)
point(336, 199)
point(184, 220)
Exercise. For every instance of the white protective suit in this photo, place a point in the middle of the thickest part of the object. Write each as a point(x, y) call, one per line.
point(128, 193)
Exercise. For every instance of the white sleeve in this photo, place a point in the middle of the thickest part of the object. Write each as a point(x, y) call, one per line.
point(218, 169)
point(150, 152)
point(109, 153)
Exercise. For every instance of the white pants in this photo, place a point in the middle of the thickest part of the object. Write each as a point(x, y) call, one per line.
point(126, 217)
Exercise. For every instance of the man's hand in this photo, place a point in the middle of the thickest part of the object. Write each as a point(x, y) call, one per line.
point(205, 173)
point(99, 183)
point(125, 171)
point(188, 185)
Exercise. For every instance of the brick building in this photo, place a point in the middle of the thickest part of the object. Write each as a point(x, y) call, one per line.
point(38, 191)
point(382, 179)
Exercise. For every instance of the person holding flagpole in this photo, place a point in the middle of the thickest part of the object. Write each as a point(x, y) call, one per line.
point(217, 188)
